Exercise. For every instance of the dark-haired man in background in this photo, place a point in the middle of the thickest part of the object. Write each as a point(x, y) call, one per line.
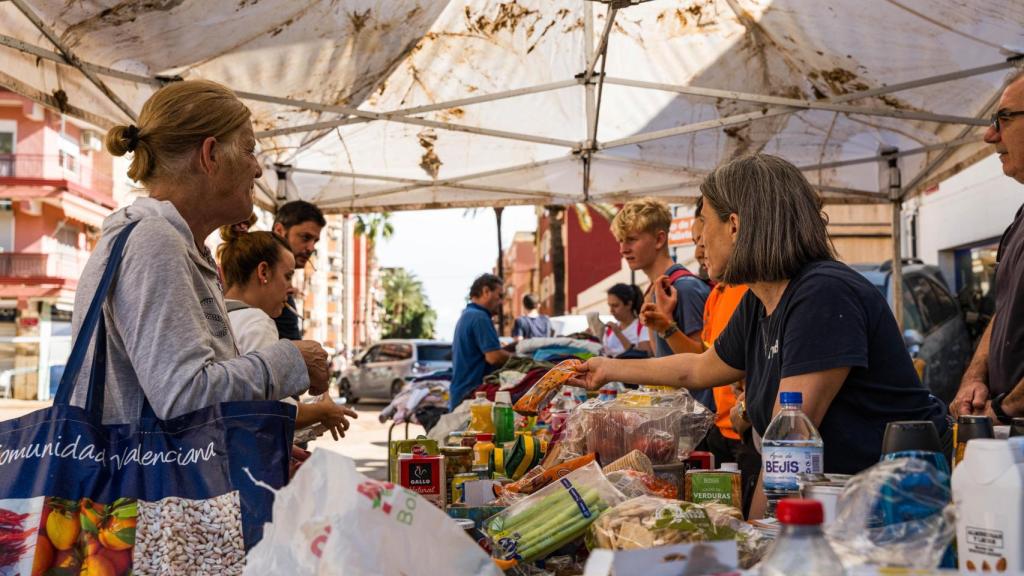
point(299, 223)
point(476, 349)
point(533, 324)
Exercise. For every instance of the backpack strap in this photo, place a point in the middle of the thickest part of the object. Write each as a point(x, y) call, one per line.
point(682, 272)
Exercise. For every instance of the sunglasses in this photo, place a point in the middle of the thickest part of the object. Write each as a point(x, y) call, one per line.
point(1002, 115)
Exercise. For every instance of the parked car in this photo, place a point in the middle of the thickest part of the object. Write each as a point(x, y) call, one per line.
point(934, 329)
point(383, 369)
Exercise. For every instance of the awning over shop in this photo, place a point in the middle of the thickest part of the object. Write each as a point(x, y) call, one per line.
point(371, 105)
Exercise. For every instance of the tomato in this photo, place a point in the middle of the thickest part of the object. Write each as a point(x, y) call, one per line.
point(97, 566)
point(62, 527)
point(44, 556)
point(118, 533)
point(121, 559)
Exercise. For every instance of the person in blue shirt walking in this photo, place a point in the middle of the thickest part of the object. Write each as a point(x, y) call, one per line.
point(533, 324)
point(476, 350)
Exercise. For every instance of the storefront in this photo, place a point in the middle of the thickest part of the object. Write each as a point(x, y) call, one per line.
point(957, 226)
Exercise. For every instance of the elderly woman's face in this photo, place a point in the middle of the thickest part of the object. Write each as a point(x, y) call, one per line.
point(718, 238)
point(237, 181)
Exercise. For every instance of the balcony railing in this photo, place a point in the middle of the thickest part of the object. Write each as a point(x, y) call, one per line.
point(29, 265)
point(54, 167)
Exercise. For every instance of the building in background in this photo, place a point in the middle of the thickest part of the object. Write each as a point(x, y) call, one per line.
point(590, 256)
point(521, 275)
point(55, 191)
point(340, 294)
point(957, 226)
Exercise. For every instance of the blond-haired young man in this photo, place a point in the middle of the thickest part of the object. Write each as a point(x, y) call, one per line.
point(641, 228)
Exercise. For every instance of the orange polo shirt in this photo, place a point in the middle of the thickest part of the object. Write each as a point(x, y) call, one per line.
point(718, 309)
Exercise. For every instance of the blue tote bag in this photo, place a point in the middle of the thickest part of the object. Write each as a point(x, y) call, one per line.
point(177, 496)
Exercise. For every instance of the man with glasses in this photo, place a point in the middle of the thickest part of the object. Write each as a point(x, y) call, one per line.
point(476, 350)
point(994, 382)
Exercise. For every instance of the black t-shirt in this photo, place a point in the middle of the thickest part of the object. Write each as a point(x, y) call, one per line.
point(1006, 346)
point(830, 317)
point(288, 323)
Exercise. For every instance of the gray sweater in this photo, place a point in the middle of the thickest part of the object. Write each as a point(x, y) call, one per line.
point(168, 335)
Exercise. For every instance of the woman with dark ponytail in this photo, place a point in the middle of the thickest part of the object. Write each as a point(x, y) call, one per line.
point(626, 333)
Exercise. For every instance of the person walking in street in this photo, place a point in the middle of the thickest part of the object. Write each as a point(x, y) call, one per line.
point(994, 382)
point(299, 223)
point(641, 228)
point(533, 324)
point(168, 339)
point(476, 350)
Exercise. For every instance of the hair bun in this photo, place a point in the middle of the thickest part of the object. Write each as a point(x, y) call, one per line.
point(121, 140)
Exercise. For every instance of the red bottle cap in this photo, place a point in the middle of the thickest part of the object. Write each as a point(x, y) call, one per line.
point(795, 511)
point(484, 437)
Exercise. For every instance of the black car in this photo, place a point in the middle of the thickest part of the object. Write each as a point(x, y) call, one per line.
point(934, 329)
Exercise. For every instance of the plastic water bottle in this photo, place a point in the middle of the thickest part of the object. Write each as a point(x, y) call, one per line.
point(791, 446)
point(504, 418)
point(801, 547)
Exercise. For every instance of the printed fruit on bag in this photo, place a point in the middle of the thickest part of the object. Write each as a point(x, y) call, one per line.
point(44, 556)
point(117, 533)
point(97, 566)
point(120, 559)
point(117, 528)
point(62, 524)
point(67, 559)
point(91, 514)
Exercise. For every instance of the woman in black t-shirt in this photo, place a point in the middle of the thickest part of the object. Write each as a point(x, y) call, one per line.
point(808, 324)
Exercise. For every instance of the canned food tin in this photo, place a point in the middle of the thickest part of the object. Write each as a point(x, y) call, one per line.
point(456, 494)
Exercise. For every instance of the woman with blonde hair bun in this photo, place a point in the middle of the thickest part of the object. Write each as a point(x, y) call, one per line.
point(168, 338)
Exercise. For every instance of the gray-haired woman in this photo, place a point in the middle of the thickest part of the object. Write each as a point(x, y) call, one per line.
point(168, 337)
point(808, 324)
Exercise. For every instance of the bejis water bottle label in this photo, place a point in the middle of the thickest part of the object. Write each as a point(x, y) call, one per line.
point(783, 465)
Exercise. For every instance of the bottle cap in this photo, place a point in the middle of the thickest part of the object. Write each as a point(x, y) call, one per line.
point(484, 437)
point(480, 395)
point(567, 393)
point(730, 467)
point(791, 398)
point(799, 512)
point(505, 397)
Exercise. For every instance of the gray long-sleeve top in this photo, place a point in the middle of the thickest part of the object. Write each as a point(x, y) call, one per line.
point(168, 335)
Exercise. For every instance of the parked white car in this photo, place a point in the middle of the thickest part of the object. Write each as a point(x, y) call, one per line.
point(382, 370)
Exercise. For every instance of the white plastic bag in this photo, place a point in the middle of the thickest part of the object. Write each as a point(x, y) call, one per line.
point(332, 520)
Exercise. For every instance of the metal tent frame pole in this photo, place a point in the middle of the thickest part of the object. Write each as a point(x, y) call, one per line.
point(73, 60)
point(896, 199)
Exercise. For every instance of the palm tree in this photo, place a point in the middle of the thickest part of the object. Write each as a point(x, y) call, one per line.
point(407, 311)
point(372, 227)
point(556, 219)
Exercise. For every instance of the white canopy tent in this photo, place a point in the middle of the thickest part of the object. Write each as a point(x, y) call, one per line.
point(370, 105)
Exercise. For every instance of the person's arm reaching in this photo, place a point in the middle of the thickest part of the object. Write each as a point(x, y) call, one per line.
point(973, 392)
point(690, 371)
point(497, 357)
point(167, 336)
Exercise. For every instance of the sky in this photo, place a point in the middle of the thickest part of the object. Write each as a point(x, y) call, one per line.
point(447, 250)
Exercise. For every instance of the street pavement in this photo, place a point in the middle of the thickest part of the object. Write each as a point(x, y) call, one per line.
point(365, 442)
